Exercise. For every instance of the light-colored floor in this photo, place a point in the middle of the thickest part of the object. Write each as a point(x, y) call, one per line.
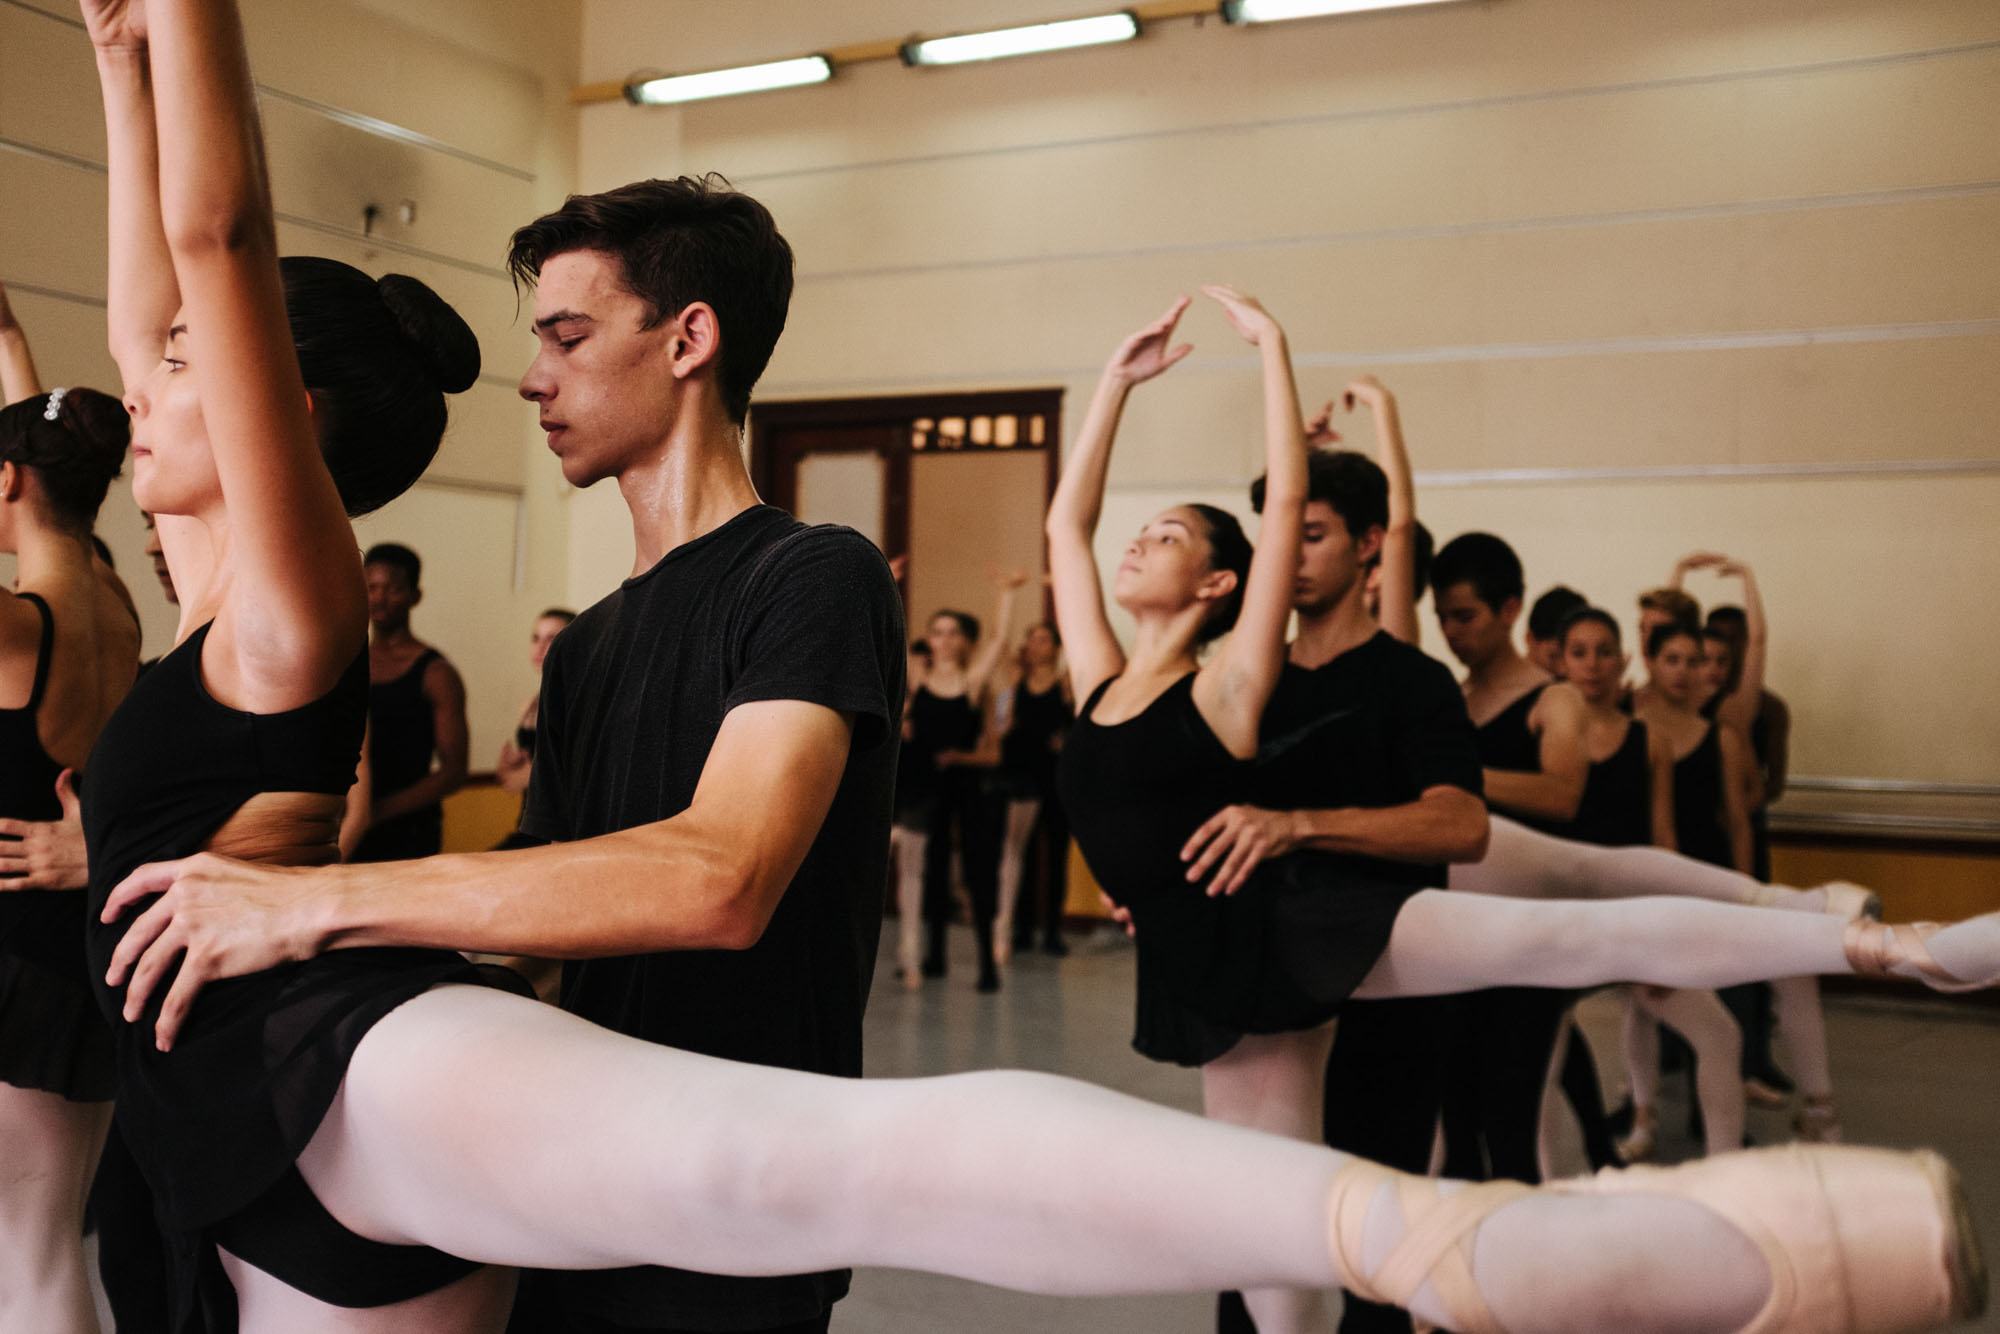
point(1910, 1073)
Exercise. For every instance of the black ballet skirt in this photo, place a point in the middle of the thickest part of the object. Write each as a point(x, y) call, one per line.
point(1278, 956)
point(52, 1038)
point(218, 1121)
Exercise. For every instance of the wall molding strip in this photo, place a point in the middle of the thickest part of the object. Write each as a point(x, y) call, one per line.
point(1431, 231)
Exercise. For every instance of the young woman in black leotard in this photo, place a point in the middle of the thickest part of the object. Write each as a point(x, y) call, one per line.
point(948, 717)
point(1162, 741)
point(1038, 710)
point(68, 649)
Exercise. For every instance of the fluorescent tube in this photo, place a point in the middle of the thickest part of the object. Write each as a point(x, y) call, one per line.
point(1270, 11)
point(729, 82)
point(1100, 28)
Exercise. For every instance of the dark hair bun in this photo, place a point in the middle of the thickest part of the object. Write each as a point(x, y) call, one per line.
point(444, 340)
point(378, 359)
point(76, 455)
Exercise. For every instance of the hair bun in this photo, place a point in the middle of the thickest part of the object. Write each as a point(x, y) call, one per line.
point(440, 336)
point(101, 425)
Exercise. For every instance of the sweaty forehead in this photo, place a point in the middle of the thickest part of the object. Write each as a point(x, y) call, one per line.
point(583, 282)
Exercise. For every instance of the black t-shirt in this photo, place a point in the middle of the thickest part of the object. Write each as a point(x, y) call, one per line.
point(1377, 726)
point(633, 693)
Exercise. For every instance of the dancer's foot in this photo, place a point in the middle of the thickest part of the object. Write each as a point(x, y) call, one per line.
point(1638, 1146)
point(1003, 950)
point(1761, 1095)
point(1056, 947)
point(1855, 1241)
point(989, 980)
point(1961, 956)
point(1817, 1122)
point(1847, 899)
point(933, 967)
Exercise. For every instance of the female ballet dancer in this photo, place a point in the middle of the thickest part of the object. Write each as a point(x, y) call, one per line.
point(1627, 801)
point(1038, 709)
point(1163, 739)
point(948, 716)
point(69, 647)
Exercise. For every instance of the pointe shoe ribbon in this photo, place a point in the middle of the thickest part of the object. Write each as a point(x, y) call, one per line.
point(1435, 1248)
point(1876, 950)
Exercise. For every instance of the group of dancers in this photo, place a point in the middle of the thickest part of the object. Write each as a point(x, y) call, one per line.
point(345, 1125)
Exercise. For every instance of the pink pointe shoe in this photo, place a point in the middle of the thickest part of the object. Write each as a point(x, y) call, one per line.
point(1857, 1240)
point(1876, 950)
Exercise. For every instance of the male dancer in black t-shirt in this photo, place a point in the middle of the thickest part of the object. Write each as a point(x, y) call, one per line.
point(1367, 751)
point(717, 736)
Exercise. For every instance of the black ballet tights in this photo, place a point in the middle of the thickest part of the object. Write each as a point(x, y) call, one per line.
point(962, 805)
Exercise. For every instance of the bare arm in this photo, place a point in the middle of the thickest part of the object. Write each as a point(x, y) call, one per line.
point(1090, 648)
point(1736, 781)
point(708, 878)
point(1660, 759)
point(1399, 539)
point(979, 672)
point(143, 292)
point(360, 801)
point(445, 690)
point(1739, 710)
point(1232, 687)
point(17, 364)
point(1445, 824)
point(1557, 790)
point(296, 609)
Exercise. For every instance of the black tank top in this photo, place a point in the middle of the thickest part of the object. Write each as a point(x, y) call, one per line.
point(1028, 751)
point(1617, 806)
point(1506, 742)
point(38, 924)
point(402, 730)
point(1698, 809)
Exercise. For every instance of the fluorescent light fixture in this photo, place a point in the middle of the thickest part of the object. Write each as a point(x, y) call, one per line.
point(1271, 11)
point(729, 82)
point(1093, 31)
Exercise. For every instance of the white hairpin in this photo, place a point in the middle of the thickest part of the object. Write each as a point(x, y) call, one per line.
point(54, 409)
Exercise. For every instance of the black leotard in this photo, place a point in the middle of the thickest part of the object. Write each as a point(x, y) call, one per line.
point(1698, 808)
point(1279, 955)
point(1507, 742)
point(51, 1037)
point(1617, 809)
point(1028, 751)
point(402, 738)
point(217, 1123)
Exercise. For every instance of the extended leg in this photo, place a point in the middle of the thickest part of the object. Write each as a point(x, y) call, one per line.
point(495, 1128)
point(1449, 941)
point(1525, 863)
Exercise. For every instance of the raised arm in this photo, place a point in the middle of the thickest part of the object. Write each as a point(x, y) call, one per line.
point(979, 672)
point(1234, 685)
point(141, 290)
point(1399, 539)
point(295, 610)
point(17, 364)
point(1091, 649)
point(1739, 709)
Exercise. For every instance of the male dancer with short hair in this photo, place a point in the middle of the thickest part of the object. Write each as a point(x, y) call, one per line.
point(1367, 752)
point(717, 739)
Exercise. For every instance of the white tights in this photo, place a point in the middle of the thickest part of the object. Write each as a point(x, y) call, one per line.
point(509, 1132)
point(1711, 1033)
point(49, 1148)
point(1021, 817)
point(907, 845)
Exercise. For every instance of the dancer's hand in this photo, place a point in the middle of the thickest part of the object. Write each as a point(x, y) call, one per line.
point(1369, 390)
point(1244, 314)
point(1149, 351)
point(50, 853)
point(116, 24)
point(1004, 579)
point(1319, 431)
point(1119, 914)
point(1236, 839)
point(218, 916)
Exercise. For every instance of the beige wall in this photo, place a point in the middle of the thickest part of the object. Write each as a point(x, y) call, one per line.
point(1646, 277)
point(458, 105)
